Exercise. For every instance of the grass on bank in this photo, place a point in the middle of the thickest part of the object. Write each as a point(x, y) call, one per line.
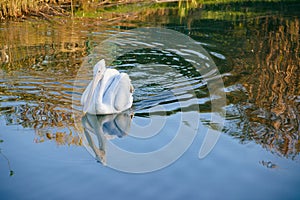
point(12, 9)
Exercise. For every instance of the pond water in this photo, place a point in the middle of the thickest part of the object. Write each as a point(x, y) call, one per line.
point(49, 150)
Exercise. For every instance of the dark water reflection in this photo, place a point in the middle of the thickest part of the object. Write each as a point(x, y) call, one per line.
point(270, 76)
point(256, 49)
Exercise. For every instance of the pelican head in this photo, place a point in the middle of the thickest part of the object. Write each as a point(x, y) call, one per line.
point(99, 68)
point(98, 73)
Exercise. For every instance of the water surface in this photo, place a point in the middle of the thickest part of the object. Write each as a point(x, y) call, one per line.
point(256, 49)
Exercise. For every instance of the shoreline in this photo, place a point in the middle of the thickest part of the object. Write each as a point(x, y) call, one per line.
point(21, 9)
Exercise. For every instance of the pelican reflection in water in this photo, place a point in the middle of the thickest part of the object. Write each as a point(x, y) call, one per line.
point(100, 128)
point(109, 92)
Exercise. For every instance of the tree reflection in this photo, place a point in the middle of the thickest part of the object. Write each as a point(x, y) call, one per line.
point(38, 66)
point(262, 56)
point(270, 114)
point(262, 53)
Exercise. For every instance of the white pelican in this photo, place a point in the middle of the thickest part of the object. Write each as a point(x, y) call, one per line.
point(109, 92)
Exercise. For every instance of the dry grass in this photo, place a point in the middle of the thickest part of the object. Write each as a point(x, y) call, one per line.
point(11, 9)
point(14, 9)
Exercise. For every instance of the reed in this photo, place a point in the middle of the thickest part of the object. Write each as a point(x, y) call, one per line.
point(17, 8)
point(11, 9)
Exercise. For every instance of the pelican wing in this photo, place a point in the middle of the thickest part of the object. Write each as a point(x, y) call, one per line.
point(123, 98)
point(110, 94)
point(117, 96)
point(105, 92)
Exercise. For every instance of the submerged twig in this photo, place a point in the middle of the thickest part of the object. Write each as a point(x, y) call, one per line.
point(11, 172)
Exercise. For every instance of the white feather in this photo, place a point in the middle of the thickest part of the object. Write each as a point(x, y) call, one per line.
point(109, 92)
